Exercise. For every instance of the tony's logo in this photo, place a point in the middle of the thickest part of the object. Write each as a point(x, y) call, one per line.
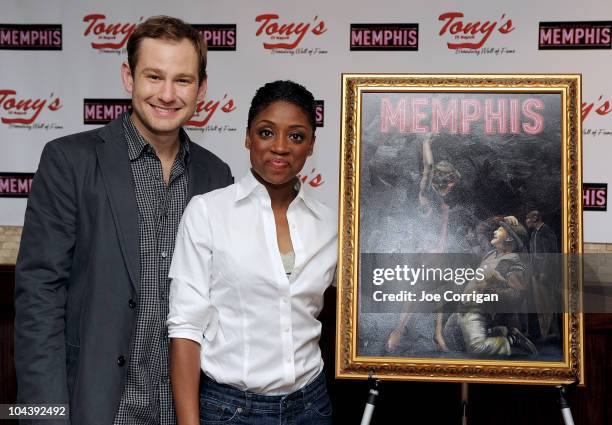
point(24, 111)
point(314, 178)
point(603, 107)
point(206, 109)
point(471, 35)
point(109, 35)
point(286, 35)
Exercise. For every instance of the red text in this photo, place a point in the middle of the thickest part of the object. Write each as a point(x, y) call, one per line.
point(291, 34)
point(471, 30)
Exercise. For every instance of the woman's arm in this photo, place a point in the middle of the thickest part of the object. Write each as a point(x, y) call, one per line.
point(192, 317)
point(185, 379)
point(427, 175)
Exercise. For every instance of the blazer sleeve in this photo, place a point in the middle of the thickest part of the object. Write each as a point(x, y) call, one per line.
point(229, 179)
point(43, 269)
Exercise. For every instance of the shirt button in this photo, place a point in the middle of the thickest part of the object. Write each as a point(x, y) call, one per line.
point(132, 303)
point(120, 361)
point(164, 254)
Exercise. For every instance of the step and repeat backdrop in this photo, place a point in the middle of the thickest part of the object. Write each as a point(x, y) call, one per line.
point(60, 63)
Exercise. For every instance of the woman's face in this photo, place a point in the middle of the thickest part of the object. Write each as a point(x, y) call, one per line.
point(279, 139)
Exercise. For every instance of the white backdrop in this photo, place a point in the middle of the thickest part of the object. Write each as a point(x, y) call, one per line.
point(80, 71)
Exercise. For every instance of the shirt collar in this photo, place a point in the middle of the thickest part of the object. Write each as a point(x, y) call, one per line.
point(137, 144)
point(250, 186)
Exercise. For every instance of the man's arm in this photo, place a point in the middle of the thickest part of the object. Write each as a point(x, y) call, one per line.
point(42, 271)
point(185, 379)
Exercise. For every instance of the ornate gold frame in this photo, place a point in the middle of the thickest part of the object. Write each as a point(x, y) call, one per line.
point(348, 363)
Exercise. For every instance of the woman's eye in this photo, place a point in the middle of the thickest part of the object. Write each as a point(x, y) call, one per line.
point(265, 133)
point(296, 137)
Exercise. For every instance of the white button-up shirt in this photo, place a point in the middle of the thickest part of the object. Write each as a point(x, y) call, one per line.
point(257, 327)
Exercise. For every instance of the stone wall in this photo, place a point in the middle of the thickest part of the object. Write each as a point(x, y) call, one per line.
point(9, 243)
point(597, 267)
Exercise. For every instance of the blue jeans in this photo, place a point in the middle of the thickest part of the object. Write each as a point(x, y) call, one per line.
point(222, 404)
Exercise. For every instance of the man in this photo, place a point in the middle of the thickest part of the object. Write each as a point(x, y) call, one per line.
point(544, 275)
point(503, 276)
point(92, 273)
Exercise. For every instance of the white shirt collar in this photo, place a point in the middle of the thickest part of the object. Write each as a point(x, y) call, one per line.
point(249, 185)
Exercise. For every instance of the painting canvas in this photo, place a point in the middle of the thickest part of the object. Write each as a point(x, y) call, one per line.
point(460, 213)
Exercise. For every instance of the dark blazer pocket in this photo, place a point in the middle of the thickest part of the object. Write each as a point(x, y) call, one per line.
point(72, 366)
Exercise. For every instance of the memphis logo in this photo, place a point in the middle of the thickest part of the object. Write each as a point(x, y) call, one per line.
point(15, 185)
point(218, 36)
point(103, 111)
point(30, 37)
point(385, 37)
point(319, 113)
point(575, 35)
point(594, 196)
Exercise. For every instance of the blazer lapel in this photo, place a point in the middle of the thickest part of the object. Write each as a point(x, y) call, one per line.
point(199, 178)
point(117, 176)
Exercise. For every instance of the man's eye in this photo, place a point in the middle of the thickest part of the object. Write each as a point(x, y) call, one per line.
point(153, 77)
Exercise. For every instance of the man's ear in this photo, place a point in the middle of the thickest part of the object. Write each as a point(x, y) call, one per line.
point(202, 89)
point(127, 77)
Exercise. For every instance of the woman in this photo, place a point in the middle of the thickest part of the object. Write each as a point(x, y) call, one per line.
point(249, 270)
point(437, 181)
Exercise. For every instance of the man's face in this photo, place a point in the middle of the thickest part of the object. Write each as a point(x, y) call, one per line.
point(164, 86)
point(499, 237)
point(530, 220)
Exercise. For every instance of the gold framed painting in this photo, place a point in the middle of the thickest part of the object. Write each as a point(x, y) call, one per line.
point(460, 229)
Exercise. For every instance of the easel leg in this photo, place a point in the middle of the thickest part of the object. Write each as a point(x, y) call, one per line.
point(371, 403)
point(566, 413)
point(464, 403)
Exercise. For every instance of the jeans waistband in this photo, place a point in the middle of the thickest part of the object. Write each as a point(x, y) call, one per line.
point(227, 393)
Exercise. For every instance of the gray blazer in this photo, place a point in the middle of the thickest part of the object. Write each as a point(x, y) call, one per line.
point(78, 271)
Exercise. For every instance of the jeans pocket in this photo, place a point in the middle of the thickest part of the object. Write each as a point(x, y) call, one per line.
point(321, 405)
point(216, 412)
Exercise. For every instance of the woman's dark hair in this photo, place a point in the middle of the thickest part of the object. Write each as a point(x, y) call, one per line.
point(285, 91)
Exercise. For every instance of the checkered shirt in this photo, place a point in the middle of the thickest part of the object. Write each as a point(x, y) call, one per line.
point(147, 396)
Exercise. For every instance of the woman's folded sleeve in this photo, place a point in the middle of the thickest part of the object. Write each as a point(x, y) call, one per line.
point(191, 314)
